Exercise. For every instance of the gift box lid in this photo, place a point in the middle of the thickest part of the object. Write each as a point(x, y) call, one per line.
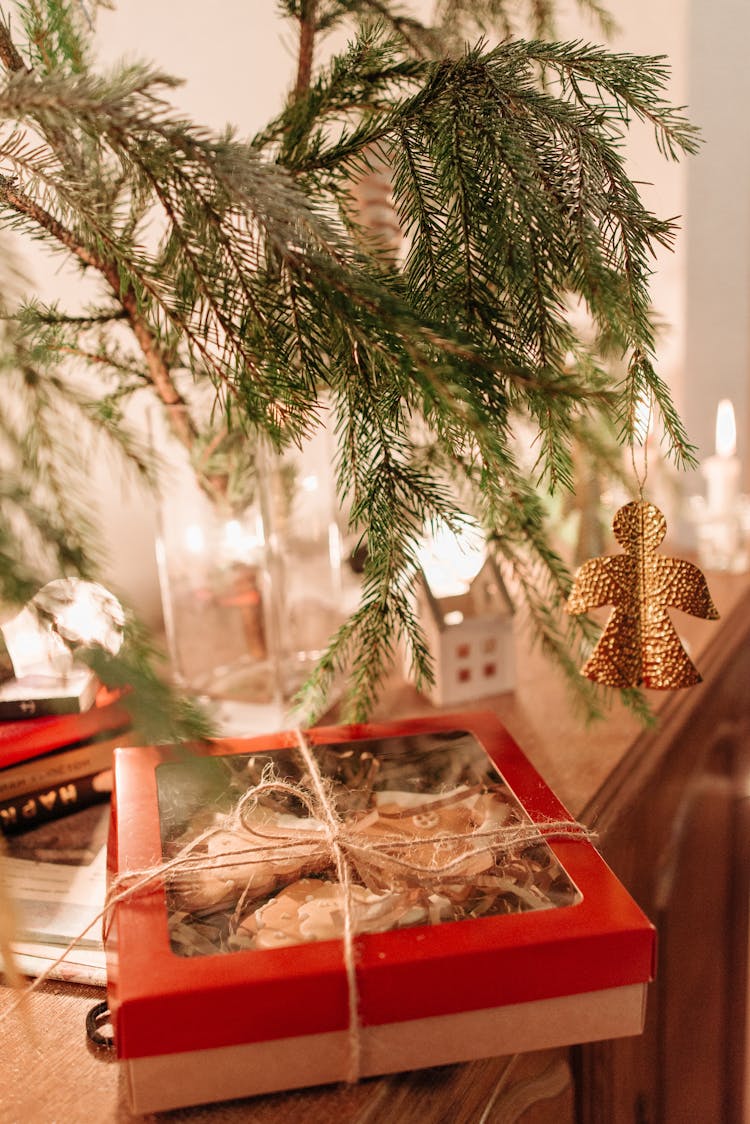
point(162, 1002)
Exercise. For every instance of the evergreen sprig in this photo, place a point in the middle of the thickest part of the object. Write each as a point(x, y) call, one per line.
point(243, 265)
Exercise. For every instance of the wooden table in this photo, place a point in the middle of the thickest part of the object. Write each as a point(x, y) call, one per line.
point(672, 811)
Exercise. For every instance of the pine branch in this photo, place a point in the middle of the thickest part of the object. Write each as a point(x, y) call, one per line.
point(28, 207)
point(601, 16)
point(51, 315)
point(57, 418)
point(364, 78)
point(562, 189)
point(159, 712)
point(36, 492)
point(635, 82)
point(462, 19)
point(643, 384)
point(54, 33)
point(515, 202)
point(158, 371)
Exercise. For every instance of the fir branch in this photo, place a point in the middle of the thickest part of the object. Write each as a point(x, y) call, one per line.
point(462, 19)
point(420, 39)
point(24, 205)
point(56, 419)
point(601, 16)
point(459, 18)
point(627, 84)
point(102, 358)
point(514, 199)
point(643, 384)
point(158, 371)
point(562, 189)
point(51, 315)
point(53, 29)
point(364, 78)
point(160, 713)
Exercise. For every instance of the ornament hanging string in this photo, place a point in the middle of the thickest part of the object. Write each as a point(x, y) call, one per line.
point(640, 479)
point(339, 843)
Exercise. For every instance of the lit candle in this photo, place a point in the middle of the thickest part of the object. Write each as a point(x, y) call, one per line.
point(722, 471)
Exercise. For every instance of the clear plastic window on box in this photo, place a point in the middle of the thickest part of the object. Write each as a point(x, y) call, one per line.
point(428, 830)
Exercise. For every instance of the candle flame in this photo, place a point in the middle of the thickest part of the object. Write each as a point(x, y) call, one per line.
point(726, 429)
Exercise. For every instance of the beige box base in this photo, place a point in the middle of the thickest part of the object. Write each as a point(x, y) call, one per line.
point(200, 1076)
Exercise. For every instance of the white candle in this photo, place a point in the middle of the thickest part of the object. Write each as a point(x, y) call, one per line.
point(722, 471)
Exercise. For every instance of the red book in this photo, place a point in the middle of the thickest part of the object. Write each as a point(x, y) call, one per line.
point(33, 737)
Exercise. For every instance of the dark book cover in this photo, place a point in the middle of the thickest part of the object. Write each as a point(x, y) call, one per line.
point(53, 801)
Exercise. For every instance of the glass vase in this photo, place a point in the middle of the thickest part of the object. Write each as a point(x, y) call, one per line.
point(251, 593)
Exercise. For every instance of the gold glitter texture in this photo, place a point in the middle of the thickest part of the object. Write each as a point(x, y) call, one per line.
point(639, 646)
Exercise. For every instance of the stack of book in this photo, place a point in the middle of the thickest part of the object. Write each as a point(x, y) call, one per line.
point(56, 748)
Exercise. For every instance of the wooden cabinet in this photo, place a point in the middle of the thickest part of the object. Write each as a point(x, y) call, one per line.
point(675, 823)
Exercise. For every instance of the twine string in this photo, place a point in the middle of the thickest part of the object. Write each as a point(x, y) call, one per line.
point(332, 840)
point(344, 873)
point(641, 479)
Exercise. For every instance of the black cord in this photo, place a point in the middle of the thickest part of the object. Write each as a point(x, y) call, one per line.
point(99, 1016)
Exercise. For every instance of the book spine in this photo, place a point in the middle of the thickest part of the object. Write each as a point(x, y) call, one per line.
point(36, 808)
point(12, 710)
point(21, 741)
point(60, 766)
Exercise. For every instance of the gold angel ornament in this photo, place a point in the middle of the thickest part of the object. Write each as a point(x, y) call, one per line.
point(639, 646)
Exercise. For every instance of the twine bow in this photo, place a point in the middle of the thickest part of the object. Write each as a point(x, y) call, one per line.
point(343, 845)
point(333, 842)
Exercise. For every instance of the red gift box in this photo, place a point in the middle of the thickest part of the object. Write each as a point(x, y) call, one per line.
point(196, 1029)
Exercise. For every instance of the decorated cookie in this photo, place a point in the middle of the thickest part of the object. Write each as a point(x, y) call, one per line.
point(428, 838)
point(313, 910)
point(270, 849)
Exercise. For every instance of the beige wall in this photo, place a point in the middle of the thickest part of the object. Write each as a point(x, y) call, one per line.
point(655, 27)
point(702, 290)
point(717, 347)
point(236, 56)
